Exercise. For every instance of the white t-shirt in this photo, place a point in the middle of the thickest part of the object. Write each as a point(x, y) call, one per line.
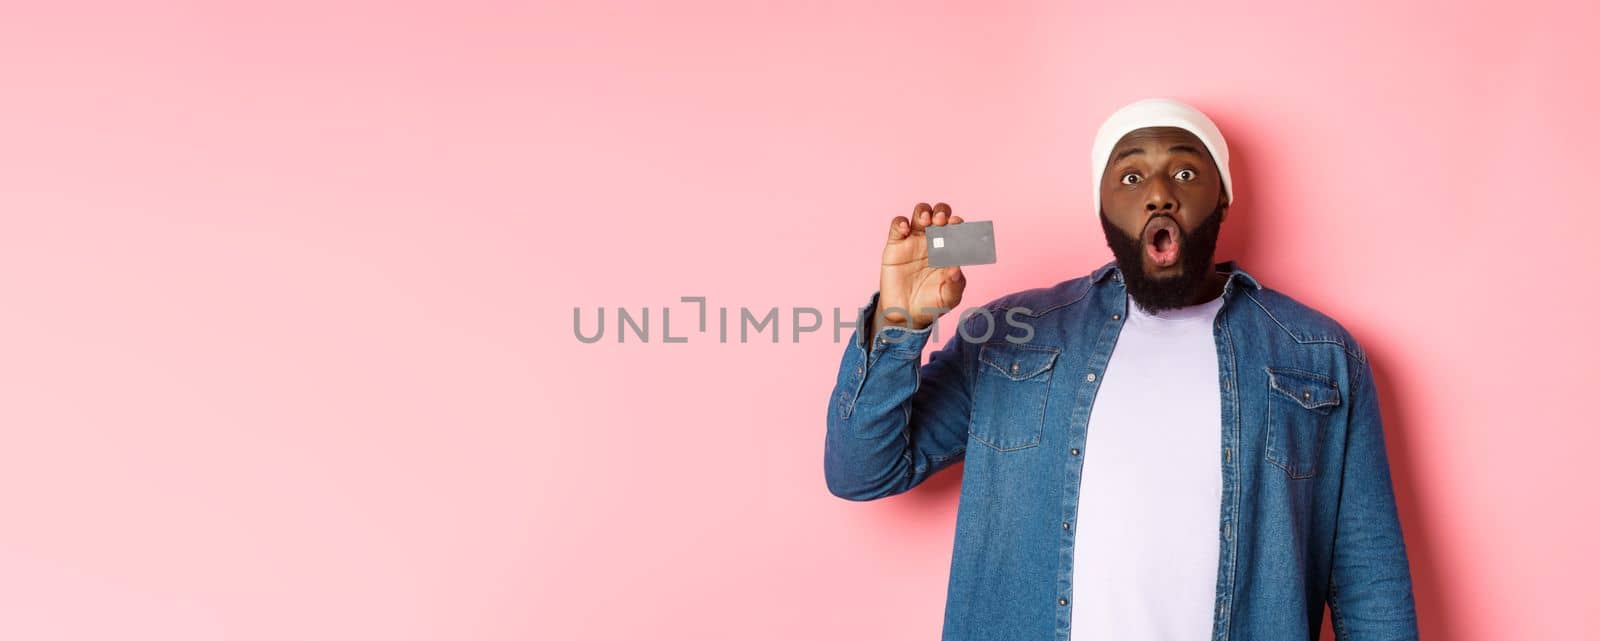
point(1145, 558)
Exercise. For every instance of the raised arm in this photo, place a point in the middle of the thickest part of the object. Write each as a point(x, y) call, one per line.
point(891, 423)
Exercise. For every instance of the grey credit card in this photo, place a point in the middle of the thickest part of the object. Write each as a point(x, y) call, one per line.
point(965, 243)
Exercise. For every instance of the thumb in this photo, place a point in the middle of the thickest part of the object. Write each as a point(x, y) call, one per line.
point(955, 283)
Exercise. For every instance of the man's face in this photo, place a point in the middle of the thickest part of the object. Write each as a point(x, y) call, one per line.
point(1161, 206)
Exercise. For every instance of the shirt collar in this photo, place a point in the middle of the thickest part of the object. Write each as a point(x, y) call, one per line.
point(1237, 276)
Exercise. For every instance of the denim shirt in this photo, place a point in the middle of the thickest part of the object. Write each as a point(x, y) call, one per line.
point(1307, 515)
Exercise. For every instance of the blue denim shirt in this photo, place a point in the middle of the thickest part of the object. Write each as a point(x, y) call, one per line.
point(1307, 515)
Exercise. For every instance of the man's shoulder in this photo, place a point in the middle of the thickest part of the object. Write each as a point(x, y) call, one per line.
point(1301, 322)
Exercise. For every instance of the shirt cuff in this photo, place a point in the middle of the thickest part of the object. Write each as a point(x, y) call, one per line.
point(893, 340)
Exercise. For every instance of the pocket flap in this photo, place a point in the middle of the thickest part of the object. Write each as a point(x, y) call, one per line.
point(1018, 362)
point(1309, 389)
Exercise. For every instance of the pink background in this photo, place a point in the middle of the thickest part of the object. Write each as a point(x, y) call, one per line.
point(286, 347)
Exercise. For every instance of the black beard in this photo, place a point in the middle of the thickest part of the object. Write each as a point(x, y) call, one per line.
point(1157, 294)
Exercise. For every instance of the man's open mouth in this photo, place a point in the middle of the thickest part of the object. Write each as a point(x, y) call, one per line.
point(1161, 241)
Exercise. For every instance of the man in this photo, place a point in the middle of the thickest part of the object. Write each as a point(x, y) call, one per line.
point(1163, 449)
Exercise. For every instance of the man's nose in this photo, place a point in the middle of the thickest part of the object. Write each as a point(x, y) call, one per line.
point(1158, 198)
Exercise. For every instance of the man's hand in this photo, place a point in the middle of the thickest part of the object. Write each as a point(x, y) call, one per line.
point(907, 286)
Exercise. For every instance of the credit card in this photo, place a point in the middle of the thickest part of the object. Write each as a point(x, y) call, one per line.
point(965, 243)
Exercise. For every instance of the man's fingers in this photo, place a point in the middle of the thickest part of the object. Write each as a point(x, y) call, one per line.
point(921, 215)
point(924, 216)
point(899, 228)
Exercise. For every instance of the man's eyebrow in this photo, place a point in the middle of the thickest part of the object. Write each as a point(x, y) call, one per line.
point(1128, 152)
point(1131, 151)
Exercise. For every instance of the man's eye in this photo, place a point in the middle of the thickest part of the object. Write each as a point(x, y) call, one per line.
point(1129, 179)
point(1185, 175)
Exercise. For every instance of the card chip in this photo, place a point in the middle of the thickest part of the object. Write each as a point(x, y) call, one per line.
point(938, 243)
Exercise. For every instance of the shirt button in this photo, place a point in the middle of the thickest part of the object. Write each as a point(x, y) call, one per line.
point(1013, 368)
point(1074, 451)
point(1227, 383)
point(1305, 394)
point(1116, 317)
point(1066, 525)
point(1090, 377)
point(1061, 601)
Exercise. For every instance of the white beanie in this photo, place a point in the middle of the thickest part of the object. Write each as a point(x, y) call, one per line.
point(1158, 112)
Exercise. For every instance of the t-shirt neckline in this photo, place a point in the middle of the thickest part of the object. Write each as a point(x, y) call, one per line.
point(1197, 312)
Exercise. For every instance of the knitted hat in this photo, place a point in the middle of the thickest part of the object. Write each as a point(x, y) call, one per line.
point(1158, 112)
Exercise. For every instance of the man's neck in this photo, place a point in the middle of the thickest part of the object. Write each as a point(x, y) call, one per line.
point(1215, 281)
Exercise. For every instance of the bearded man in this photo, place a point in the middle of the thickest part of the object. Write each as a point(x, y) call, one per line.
point(1176, 452)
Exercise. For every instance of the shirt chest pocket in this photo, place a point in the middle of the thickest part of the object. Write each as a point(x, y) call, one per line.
point(1009, 394)
point(1299, 406)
